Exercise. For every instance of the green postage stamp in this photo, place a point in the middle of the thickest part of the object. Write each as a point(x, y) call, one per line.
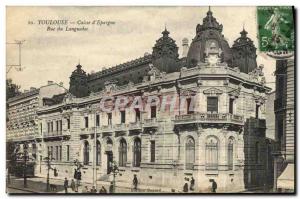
point(275, 28)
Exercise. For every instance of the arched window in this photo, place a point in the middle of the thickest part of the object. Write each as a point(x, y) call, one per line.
point(122, 153)
point(86, 153)
point(137, 152)
point(98, 153)
point(189, 153)
point(230, 154)
point(211, 150)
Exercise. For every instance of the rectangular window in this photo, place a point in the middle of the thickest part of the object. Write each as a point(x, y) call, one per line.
point(41, 126)
point(137, 115)
point(152, 151)
point(123, 117)
point(51, 152)
point(256, 111)
point(60, 125)
point(57, 125)
point(51, 126)
point(188, 106)
point(109, 118)
point(212, 104)
point(68, 122)
point(153, 111)
point(86, 122)
point(56, 153)
point(60, 153)
point(68, 152)
point(231, 101)
point(97, 120)
point(48, 127)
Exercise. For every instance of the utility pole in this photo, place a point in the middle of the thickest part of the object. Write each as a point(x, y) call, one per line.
point(25, 156)
point(48, 159)
point(95, 154)
point(115, 171)
point(18, 66)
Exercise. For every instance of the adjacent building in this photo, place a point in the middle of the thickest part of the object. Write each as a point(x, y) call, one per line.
point(22, 120)
point(284, 107)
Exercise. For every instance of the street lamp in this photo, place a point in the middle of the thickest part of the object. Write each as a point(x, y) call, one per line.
point(77, 171)
point(25, 156)
point(115, 171)
point(49, 159)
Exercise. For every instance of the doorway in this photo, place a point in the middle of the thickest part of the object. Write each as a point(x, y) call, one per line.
point(109, 161)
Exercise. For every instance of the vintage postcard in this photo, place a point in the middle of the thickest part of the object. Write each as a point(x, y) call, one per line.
point(144, 100)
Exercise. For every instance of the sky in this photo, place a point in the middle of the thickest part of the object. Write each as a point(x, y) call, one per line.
point(133, 31)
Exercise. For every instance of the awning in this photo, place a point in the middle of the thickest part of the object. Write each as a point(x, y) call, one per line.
point(286, 179)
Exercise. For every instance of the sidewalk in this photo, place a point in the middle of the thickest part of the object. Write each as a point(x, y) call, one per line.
point(39, 185)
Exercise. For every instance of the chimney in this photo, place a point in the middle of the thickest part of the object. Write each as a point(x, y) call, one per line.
point(185, 47)
point(32, 88)
point(61, 83)
point(50, 82)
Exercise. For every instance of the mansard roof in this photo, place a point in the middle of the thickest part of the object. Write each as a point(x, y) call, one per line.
point(24, 95)
point(147, 58)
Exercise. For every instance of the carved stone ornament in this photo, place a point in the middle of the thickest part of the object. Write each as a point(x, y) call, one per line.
point(212, 91)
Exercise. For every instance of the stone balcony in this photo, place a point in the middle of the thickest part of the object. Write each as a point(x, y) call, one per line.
point(150, 123)
point(209, 118)
point(135, 126)
point(107, 128)
point(120, 127)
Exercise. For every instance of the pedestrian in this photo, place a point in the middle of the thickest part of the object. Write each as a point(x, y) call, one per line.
point(111, 187)
point(73, 186)
point(185, 187)
point(66, 184)
point(192, 184)
point(75, 174)
point(85, 190)
point(79, 176)
point(103, 190)
point(214, 186)
point(135, 182)
point(93, 189)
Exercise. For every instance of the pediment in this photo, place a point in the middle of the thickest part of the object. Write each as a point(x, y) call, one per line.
point(212, 91)
point(234, 92)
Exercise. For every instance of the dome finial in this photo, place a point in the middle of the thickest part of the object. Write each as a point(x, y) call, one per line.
point(165, 32)
point(209, 12)
point(244, 32)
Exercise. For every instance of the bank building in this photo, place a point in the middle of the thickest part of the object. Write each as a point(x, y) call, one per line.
point(222, 138)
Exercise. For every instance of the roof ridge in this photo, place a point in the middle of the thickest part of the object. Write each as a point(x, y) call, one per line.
point(125, 64)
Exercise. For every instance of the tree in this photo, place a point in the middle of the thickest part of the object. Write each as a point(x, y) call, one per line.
point(12, 89)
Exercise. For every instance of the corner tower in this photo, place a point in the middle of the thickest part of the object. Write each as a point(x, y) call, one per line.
point(78, 83)
point(244, 53)
point(165, 53)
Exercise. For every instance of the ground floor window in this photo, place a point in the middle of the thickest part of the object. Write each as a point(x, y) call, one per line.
point(211, 152)
point(189, 153)
point(86, 154)
point(137, 152)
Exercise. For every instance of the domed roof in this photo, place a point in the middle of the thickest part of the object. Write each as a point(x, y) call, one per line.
point(207, 34)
